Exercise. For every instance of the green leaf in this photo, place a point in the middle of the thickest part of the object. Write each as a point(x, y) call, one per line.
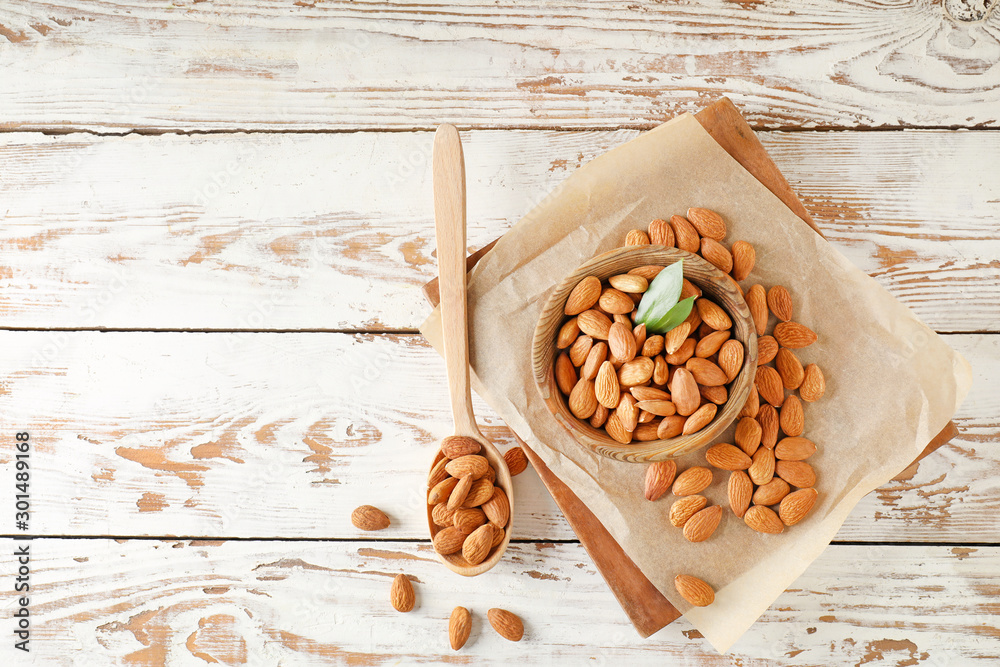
point(661, 295)
point(671, 318)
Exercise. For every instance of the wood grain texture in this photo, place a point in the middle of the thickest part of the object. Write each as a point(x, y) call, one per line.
point(283, 435)
point(294, 231)
point(120, 65)
point(149, 603)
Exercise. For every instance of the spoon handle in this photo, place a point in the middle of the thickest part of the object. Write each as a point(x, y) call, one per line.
point(449, 217)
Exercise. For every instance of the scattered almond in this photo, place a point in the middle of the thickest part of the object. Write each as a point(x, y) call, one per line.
point(763, 520)
point(794, 449)
point(756, 299)
point(401, 594)
point(694, 590)
point(795, 506)
point(740, 489)
point(659, 477)
point(708, 223)
point(368, 517)
point(637, 237)
point(717, 255)
point(507, 625)
point(516, 460)
point(769, 386)
point(813, 384)
point(767, 418)
point(772, 492)
point(747, 435)
point(767, 349)
point(685, 235)
point(791, 418)
point(789, 368)
point(660, 233)
point(797, 473)
point(752, 406)
point(793, 335)
point(744, 257)
point(727, 457)
point(459, 627)
point(761, 469)
point(692, 481)
point(685, 508)
point(704, 522)
point(779, 301)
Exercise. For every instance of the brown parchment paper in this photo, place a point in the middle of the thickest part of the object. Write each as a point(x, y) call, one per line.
point(892, 383)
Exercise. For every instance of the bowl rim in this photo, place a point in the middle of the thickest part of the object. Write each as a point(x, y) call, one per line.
point(544, 352)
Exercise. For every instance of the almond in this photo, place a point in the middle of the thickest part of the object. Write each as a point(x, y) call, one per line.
point(791, 419)
point(600, 416)
point(689, 289)
point(769, 386)
point(747, 435)
point(707, 222)
point(506, 624)
point(517, 460)
point(583, 296)
point(659, 477)
point(565, 374)
point(628, 414)
point(597, 356)
point(761, 470)
point(459, 493)
point(498, 535)
point(683, 353)
point(767, 349)
point(481, 491)
point(568, 333)
point(744, 257)
point(659, 408)
point(594, 323)
point(685, 508)
point(580, 348)
point(448, 540)
point(648, 272)
point(368, 517)
point(616, 302)
point(646, 432)
point(634, 372)
point(639, 333)
point(704, 522)
point(468, 519)
point(684, 392)
point(794, 449)
point(582, 400)
point(789, 368)
point(477, 545)
point(637, 237)
point(795, 506)
point(652, 346)
point(731, 358)
point(692, 481)
point(767, 417)
point(459, 627)
point(813, 384)
point(727, 457)
point(670, 427)
point(621, 343)
point(625, 282)
point(793, 335)
point(780, 302)
point(606, 387)
point(622, 319)
point(617, 430)
point(710, 344)
point(497, 508)
point(705, 372)
point(661, 370)
point(649, 394)
point(752, 405)
point(740, 488)
point(717, 395)
point(756, 300)
point(401, 594)
point(772, 492)
point(763, 520)
point(455, 446)
point(660, 233)
point(441, 491)
point(797, 473)
point(717, 255)
point(437, 474)
point(442, 516)
point(471, 464)
point(694, 590)
point(685, 235)
point(712, 315)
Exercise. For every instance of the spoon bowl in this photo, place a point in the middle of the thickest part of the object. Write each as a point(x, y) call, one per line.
point(449, 217)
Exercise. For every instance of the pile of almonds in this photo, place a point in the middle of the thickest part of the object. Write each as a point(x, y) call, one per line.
point(471, 512)
point(639, 387)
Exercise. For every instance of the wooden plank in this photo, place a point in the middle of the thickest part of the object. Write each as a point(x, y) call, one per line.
point(120, 65)
point(335, 231)
point(169, 602)
point(282, 435)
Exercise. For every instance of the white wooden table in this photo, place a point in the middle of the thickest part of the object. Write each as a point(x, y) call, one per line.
point(216, 222)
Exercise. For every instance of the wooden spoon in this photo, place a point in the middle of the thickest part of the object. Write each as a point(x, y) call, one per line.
point(449, 215)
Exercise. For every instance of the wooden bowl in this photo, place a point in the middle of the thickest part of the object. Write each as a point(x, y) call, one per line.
point(713, 282)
